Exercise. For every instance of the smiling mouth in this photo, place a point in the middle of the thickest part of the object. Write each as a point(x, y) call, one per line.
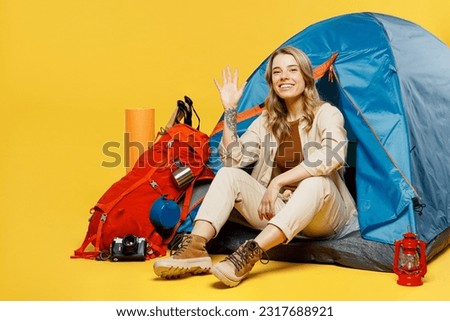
point(286, 86)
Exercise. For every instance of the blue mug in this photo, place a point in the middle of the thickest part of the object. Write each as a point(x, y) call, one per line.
point(165, 213)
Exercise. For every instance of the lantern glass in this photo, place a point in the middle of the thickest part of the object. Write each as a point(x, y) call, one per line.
point(409, 262)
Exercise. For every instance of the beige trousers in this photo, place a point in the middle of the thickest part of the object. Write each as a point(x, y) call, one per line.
point(315, 209)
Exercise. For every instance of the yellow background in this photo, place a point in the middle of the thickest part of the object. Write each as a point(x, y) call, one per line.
point(68, 69)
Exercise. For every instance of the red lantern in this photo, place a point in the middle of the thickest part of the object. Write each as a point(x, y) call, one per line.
point(410, 262)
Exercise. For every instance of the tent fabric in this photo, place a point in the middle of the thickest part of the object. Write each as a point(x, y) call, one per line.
point(392, 84)
point(350, 250)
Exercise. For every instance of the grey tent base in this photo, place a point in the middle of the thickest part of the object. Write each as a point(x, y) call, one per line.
point(350, 251)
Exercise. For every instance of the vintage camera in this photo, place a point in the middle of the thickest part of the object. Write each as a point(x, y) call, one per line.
point(128, 248)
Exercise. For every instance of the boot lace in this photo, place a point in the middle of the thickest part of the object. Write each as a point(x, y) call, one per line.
point(245, 254)
point(180, 244)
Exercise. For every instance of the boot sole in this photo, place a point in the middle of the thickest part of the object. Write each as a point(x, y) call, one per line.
point(174, 269)
point(225, 279)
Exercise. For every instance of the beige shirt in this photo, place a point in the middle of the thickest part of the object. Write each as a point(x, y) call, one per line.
point(324, 149)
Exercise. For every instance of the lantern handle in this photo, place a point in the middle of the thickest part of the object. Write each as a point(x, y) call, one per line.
point(423, 257)
point(397, 245)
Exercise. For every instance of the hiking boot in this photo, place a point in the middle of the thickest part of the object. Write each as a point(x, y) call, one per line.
point(238, 265)
point(190, 257)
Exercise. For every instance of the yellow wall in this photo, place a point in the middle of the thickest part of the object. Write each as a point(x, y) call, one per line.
point(68, 69)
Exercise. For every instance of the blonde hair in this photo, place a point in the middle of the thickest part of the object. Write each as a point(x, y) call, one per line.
point(276, 108)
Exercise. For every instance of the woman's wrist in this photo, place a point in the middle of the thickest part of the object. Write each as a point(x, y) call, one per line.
point(229, 107)
point(275, 183)
point(230, 116)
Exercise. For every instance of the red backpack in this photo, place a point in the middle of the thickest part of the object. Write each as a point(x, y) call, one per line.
point(166, 172)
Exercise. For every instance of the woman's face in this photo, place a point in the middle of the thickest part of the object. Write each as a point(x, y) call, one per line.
point(287, 79)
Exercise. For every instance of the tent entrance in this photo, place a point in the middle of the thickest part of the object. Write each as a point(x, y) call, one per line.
point(329, 91)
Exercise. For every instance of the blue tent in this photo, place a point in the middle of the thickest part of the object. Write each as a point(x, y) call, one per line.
point(391, 80)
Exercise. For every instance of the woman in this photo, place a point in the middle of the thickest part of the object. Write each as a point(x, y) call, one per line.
point(297, 147)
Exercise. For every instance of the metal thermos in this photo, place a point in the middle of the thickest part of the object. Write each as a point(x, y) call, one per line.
point(183, 175)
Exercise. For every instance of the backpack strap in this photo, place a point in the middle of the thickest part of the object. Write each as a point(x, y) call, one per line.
point(187, 201)
point(81, 252)
point(191, 109)
point(184, 111)
point(156, 245)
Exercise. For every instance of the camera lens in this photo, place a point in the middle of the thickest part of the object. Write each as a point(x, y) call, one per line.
point(129, 244)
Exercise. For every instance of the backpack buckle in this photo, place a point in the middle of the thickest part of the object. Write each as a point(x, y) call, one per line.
point(154, 184)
